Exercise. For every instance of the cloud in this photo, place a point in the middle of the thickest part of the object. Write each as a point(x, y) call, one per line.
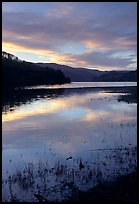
point(92, 26)
point(105, 59)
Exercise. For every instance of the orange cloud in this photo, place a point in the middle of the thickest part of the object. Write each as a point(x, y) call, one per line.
point(53, 56)
point(91, 44)
point(15, 47)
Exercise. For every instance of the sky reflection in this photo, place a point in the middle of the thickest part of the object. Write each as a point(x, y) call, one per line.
point(46, 107)
point(91, 116)
point(88, 125)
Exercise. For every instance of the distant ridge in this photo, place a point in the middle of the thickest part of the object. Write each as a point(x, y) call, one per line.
point(90, 75)
point(75, 74)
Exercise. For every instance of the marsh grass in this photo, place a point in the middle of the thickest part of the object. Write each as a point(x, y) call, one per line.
point(38, 182)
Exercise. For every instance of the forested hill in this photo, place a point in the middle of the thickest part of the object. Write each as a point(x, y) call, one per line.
point(17, 73)
point(115, 76)
point(93, 75)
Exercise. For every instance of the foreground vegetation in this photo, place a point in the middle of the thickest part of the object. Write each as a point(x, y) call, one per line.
point(74, 179)
point(124, 189)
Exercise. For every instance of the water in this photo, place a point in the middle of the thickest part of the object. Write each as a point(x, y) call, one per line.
point(58, 139)
point(84, 85)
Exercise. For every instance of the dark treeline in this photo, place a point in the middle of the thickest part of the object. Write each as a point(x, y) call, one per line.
point(17, 73)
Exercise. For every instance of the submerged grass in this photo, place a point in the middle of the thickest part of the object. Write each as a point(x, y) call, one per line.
point(79, 181)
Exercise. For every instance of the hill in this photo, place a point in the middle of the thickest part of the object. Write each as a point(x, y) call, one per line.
point(75, 74)
point(20, 73)
point(90, 75)
point(115, 76)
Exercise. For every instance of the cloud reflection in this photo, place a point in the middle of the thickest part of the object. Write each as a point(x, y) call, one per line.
point(71, 121)
point(45, 107)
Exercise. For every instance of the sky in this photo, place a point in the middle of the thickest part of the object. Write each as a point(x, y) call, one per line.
point(95, 35)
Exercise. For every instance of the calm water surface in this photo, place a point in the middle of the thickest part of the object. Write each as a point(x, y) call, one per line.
point(85, 85)
point(60, 139)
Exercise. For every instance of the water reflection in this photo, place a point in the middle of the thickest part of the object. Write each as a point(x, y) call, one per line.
point(94, 128)
point(27, 96)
